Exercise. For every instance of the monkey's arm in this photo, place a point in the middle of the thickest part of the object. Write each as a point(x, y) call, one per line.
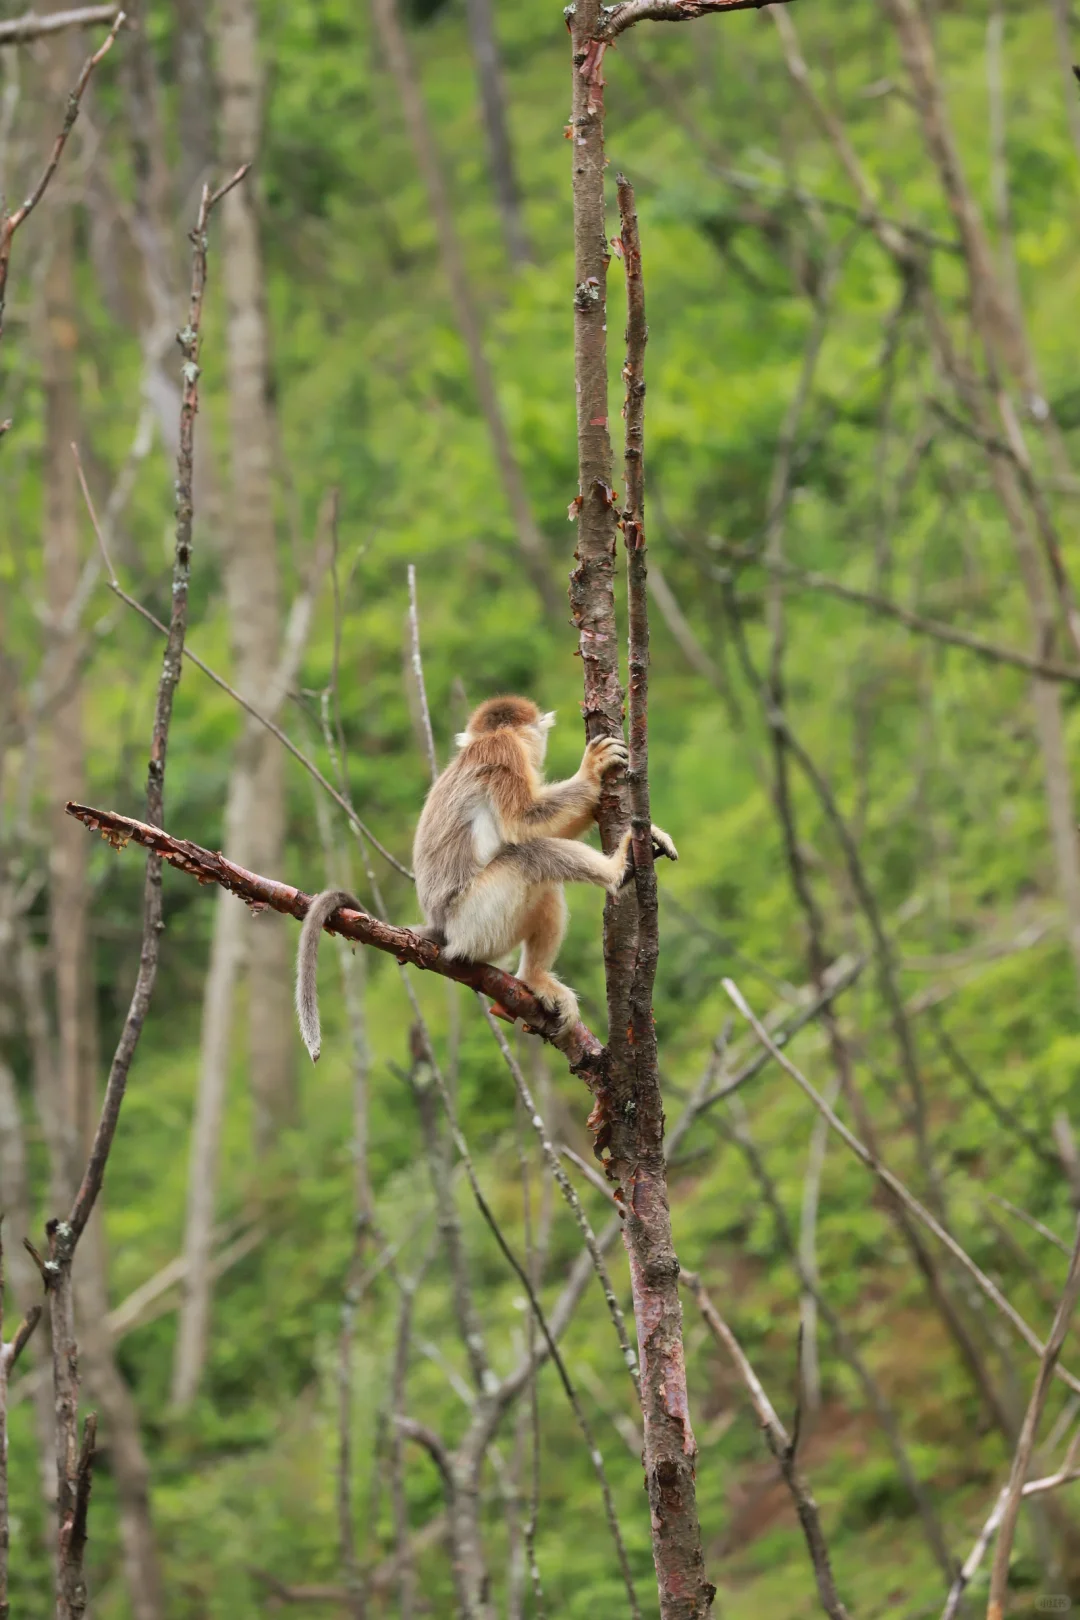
point(565, 809)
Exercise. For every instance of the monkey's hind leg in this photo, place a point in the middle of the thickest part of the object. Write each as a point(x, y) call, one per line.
point(545, 928)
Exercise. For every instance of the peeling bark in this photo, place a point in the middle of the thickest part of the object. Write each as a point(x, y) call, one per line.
point(628, 1118)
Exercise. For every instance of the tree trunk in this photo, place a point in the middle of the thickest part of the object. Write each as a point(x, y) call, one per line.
point(251, 565)
point(489, 78)
point(628, 1115)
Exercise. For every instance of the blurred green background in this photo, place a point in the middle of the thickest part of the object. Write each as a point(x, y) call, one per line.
point(751, 240)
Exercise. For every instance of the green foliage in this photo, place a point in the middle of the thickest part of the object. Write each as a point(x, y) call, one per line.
point(929, 753)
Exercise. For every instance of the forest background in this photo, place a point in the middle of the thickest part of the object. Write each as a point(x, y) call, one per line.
point(387, 380)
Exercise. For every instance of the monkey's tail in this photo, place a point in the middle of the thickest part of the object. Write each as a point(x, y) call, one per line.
point(320, 911)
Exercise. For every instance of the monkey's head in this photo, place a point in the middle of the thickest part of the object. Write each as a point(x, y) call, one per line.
point(510, 714)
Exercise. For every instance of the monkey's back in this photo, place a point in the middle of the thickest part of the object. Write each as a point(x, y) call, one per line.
point(473, 809)
point(444, 855)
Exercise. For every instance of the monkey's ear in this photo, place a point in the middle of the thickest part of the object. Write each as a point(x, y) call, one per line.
point(462, 739)
point(546, 721)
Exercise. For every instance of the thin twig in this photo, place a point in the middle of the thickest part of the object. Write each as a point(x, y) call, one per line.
point(480, 1436)
point(74, 1464)
point(616, 19)
point(999, 1572)
point(1065, 1475)
point(991, 651)
point(567, 1189)
point(249, 708)
point(841, 976)
point(170, 678)
point(780, 1444)
point(19, 30)
point(11, 222)
point(898, 1189)
point(736, 1129)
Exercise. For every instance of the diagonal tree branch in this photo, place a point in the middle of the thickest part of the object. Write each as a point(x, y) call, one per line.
point(1010, 1510)
point(10, 223)
point(952, 635)
point(580, 1046)
point(894, 1185)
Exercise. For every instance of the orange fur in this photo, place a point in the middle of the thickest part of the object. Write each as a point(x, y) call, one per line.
point(493, 849)
point(496, 843)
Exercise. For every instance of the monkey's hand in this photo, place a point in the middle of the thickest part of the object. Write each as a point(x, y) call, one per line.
point(662, 845)
point(602, 755)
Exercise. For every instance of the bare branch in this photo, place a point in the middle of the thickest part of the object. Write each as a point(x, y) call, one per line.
point(169, 680)
point(735, 1128)
point(249, 708)
point(616, 19)
point(1010, 1512)
point(781, 1446)
point(566, 1188)
point(18, 30)
point(11, 222)
point(1066, 1475)
point(1048, 669)
point(23, 1334)
point(423, 1436)
point(897, 1188)
point(9, 1355)
point(579, 1045)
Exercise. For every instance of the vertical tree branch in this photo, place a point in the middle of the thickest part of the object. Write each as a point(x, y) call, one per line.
point(630, 1118)
point(170, 678)
point(74, 1463)
point(999, 1572)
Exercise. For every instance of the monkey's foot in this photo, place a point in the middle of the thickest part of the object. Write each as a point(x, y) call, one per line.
point(557, 999)
point(662, 845)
